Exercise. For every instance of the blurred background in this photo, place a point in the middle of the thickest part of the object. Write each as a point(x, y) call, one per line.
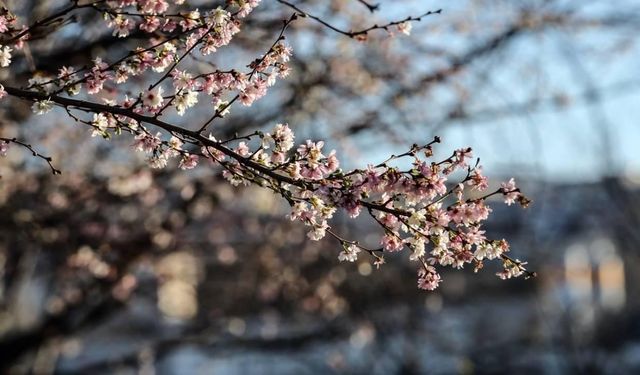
point(115, 268)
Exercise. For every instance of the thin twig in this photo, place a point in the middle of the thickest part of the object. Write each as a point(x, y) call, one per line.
point(359, 33)
point(34, 152)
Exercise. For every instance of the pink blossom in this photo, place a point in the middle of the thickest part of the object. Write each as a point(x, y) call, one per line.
point(153, 98)
point(242, 149)
point(96, 78)
point(318, 231)
point(169, 25)
point(389, 220)
point(349, 253)
point(300, 211)
point(313, 173)
point(390, 242)
point(405, 28)
point(461, 156)
point(511, 269)
point(121, 26)
point(4, 147)
point(332, 163)
point(150, 24)
point(351, 206)
point(190, 20)
point(312, 151)
point(510, 191)
point(189, 161)
point(475, 236)
point(428, 279)
point(478, 180)
point(373, 180)
point(294, 170)
point(442, 217)
point(278, 157)
point(283, 137)
point(146, 142)
point(153, 6)
point(253, 91)
point(158, 161)
point(4, 24)
point(246, 7)
point(462, 256)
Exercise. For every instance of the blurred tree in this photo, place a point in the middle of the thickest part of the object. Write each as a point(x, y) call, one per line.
point(137, 67)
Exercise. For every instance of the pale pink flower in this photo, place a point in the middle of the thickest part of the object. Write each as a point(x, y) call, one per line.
point(475, 236)
point(391, 242)
point(150, 24)
point(246, 6)
point(153, 98)
point(147, 143)
point(461, 257)
point(349, 253)
point(5, 56)
point(294, 170)
point(312, 152)
point(428, 279)
point(510, 191)
point(300, 210)
point(405, 27)
point(283, 137)
point(157, 161)
point(389, 220)
point(4, 147)
point(189, 161)
point(461, 156)
point(332, 163)
point(242, 149)
point(278, 157)
point(153, 6)
point(318, 231)
point(4, 24)
point(511, 269)
point(122, 26)
point(169, 25)
point(190, 20)
point(254, 91)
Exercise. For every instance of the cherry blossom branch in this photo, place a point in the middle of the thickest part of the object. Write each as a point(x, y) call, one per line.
point(218, 112)
point(407, 203)
point(315, 199)
point(96, 107)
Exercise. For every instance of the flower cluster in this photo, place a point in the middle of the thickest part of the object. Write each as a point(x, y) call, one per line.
point(151, 16)
point(207, 31)
point(422, 206)
point(219, 85)
point(418, 209)
point(413, 207)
